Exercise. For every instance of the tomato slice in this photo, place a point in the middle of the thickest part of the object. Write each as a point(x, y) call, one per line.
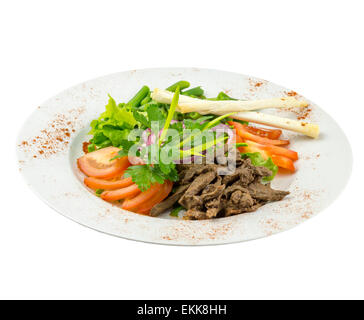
point(97, 163)
point(239, 139)
point(132, 204)
point(283, 162)
point(95, 183)
point(242, 132)
point(118, 194)
point(145, 212)
point(145, 207)
point(264, 132)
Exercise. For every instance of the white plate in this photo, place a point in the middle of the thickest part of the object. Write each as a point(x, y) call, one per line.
point(51, 140)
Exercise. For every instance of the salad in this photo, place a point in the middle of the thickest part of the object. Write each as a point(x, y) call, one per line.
point(177, 150)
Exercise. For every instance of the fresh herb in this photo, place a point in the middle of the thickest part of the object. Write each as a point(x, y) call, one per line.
point(241, 144)
point(193, 115)
point(139, 97)
point(194, 92)
point(222, 96)
point(146, 99)
point(176, 211)
point(146, 175)
point(172, 109)
point(99, 191)
point(158, 171)
point(113, 125)
point(181, 84)
point(91, 147)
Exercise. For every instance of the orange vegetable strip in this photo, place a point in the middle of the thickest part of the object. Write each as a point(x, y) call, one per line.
point(269, 149)
point(283, 162)
point(281, 152)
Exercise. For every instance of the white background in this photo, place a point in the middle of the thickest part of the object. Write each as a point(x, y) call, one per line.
point(313, 47)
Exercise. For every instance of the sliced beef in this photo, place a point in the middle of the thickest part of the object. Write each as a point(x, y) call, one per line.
point(230, 211)
point(194, 214)
point(213, 191)
point(169, 202)
point(239, 200)
point(228, 179)
point(246, 173)
point(262, 172)
point(214, 206)
point(207, 194)
point(235, 187)
point(189, 199)
point(190, 171)
point(264, 192)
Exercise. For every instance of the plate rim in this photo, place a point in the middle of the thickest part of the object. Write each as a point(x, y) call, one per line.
point(181, 69)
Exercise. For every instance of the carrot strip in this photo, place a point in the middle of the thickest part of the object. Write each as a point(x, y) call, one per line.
point(269, 149)
point(283, 162)
point(119, 194)
point(293, 155)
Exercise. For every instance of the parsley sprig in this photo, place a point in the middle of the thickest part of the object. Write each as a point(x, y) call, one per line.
point(148, 174)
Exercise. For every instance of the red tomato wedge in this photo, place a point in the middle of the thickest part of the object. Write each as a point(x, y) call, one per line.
point(145, 207)
point(127, 192)
point(145, 212)
point(97, 163)
point(265, 133)
point(242, 132)
point(132, 204)
point(95, 183)
point(283, 162)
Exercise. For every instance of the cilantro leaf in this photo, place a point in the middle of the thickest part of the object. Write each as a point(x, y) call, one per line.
point(145, 175)
point(155, 115)
point(125, 146)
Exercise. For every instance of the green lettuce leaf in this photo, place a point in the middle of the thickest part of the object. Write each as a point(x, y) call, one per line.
point(120, 114)
point(258, 160)
point(113, 126)
point(176, 211)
